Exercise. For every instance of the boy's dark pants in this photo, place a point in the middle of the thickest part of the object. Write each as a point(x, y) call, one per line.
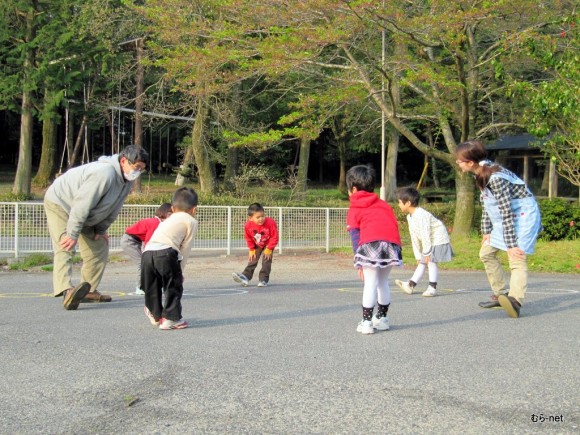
point(264, 271)
point(160, 270)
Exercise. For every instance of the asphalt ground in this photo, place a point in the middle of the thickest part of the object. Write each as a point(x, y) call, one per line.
point(286, 359)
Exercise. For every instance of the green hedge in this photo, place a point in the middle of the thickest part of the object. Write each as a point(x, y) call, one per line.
point(560, 219)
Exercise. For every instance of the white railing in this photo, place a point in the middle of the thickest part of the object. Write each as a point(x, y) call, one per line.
point(23, 227)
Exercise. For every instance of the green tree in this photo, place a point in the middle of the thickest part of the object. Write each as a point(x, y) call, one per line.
point(444, 68)
point(20, 22)
point(553, 110)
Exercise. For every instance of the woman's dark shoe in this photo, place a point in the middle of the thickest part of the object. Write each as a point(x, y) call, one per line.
point(510, 305)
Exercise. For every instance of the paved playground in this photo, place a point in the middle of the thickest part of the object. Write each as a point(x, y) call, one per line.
point(286, 359)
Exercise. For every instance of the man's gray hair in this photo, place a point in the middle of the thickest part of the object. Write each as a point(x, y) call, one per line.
point(135, 154)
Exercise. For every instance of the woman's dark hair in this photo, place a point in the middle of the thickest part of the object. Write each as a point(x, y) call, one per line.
point(474, 151)
point(362, 177)
point(135, 154)
point(409, 194)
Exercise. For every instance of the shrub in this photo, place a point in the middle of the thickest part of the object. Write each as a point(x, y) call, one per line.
point(560, 219)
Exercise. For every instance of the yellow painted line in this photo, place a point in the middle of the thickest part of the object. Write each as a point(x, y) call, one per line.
point(359, 290)
point(350, 290)
point(44, 295)
point(24, 295)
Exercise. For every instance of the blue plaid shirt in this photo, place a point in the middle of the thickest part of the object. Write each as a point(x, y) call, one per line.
point(504, 192)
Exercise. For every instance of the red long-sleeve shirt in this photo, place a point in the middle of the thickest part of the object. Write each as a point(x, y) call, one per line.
point(261, 236)
point(144, 228)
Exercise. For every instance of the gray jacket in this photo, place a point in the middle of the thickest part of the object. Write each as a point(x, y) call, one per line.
point(91, 194)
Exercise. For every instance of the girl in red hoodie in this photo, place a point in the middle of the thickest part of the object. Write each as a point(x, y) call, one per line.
point(376, 244)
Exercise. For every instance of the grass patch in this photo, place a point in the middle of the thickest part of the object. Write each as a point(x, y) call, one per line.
point(38, 260)
point(555, 257)
point(31, 261)
point(547, 257)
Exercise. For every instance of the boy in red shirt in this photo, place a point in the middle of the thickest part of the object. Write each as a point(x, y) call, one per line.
point(261, 234)
point(137, 235)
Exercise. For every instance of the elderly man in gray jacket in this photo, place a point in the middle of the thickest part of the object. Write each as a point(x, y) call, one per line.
point(80, 206)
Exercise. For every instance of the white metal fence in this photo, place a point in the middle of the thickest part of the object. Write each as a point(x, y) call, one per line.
point(23, 227)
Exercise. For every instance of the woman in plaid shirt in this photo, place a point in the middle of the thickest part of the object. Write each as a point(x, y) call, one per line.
point(510, 222)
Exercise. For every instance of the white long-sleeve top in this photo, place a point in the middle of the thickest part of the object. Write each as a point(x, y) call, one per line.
point(177, 232)
point(426, 231)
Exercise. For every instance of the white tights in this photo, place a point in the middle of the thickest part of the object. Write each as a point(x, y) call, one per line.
point(376, 282)
point(433, 272)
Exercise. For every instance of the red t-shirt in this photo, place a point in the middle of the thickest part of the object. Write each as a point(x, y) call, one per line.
point(261, 236)
point(144, 228)
point(373, 217)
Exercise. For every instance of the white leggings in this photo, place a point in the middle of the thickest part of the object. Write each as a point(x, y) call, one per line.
point(433, 272)
point(376, 281)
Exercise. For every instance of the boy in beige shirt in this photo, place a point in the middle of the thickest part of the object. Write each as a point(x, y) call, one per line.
point(164, 261)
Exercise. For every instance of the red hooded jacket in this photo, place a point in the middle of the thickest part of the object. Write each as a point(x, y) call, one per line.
point(373, 217)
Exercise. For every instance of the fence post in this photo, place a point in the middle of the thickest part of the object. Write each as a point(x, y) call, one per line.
point(327, 230)
point(229, 232)
point(280, 229)
point(16, 229)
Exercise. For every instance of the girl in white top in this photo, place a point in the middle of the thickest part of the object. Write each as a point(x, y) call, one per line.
point(429, 238)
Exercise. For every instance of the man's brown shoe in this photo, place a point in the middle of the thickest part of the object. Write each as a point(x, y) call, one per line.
point(492, 303)
point(73, 296)
point(97, 297)
point(510, 305)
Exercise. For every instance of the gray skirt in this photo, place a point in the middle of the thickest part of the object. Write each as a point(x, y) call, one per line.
point(441, 253)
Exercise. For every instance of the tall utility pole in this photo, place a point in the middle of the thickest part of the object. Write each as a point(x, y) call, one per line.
point(139, 50)
point(383, 191)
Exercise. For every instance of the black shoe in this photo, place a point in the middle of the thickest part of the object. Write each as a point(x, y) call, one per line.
point(510, 305)
point(493, 303)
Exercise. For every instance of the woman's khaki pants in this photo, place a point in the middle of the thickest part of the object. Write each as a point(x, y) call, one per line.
point(497, 277)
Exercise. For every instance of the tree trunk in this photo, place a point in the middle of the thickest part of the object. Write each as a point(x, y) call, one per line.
point(109, 118)
point(232, 166)
point(304, 159)
point(393, 134)
point(465, 205)
point(341, 145)
point(78, 142)
point(435, 173)
point(391, 164)
point(205, 167)
point(47, 165)
point(188, 161)
point(546, 181)
point(23, 176)
point(433, 161)
point(320, 154)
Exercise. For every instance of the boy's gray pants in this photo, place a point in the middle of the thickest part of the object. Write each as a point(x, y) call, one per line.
point(132, 247)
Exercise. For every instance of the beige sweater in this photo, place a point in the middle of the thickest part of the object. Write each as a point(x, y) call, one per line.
point(177, 232)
